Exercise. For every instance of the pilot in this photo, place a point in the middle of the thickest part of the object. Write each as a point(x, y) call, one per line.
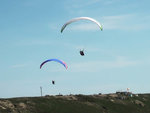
point(53, 82)
point(82, 52)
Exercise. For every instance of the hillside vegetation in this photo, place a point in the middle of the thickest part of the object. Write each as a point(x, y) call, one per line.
point(106, 103)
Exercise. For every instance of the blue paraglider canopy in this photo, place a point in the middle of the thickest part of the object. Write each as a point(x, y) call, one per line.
point(56, 60)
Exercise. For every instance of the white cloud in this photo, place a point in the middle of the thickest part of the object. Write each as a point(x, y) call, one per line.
point(115, 22)
point(125, 22)
point(95, 66)
point(80, 3)
point(108, 2)
point(35, 42)
point(19, 65)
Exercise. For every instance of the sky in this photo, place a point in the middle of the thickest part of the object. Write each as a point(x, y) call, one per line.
point(115, 59)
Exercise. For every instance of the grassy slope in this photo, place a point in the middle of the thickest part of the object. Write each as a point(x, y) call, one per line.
point(76, 104)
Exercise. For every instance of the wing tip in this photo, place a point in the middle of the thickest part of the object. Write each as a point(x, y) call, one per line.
point(101, 28)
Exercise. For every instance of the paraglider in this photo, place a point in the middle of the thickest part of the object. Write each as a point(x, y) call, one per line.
point(81, 18)
point(56, 60)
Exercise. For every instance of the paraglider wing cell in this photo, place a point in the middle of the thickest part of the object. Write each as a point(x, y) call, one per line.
point(81, 18)
point(56, 60)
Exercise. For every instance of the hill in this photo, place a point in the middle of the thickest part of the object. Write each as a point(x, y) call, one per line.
point(106, 103)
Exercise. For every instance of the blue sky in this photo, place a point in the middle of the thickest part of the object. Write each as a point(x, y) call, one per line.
point(115, 59)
